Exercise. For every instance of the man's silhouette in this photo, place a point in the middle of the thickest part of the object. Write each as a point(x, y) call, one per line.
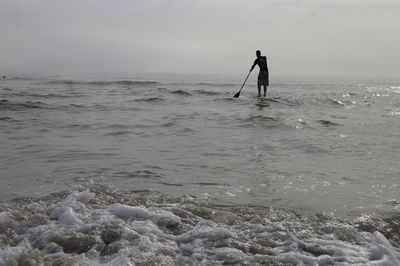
point(263, 76)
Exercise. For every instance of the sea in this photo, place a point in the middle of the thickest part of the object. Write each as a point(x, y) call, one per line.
point(171, 169)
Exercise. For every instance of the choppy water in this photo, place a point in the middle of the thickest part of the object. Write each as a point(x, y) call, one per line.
point(171, 169)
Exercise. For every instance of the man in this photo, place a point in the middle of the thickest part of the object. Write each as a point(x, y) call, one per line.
point(263, 76)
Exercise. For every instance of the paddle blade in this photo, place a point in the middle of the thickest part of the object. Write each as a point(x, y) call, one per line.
point(237, 95)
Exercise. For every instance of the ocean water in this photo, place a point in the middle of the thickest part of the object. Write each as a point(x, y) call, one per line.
point(170, 169)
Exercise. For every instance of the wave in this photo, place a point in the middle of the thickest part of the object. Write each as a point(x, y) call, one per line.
point(5, 118)
point(327, 123)
point(182, 93)
point(82, 107)
point(203, 84)
point(260, 120)
point(119, 133)
point(138, 83)
point(211, 93)
point(97, 224)
point(76, 126)
point(146, 174)
point(215, 84)
point(105, 83)
point(7, 105)
point(265, 102)
point(45, 96)
point(73, 105)
point(289, 102)
point(22, 78)
point(326, 102)
point(150, 99)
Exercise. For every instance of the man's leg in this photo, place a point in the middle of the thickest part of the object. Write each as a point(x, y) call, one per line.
point(259, 90)
point(265, 90)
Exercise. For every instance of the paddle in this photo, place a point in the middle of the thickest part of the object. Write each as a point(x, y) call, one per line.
point(238, 94)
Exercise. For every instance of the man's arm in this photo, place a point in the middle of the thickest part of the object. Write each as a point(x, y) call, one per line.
point(252, 67)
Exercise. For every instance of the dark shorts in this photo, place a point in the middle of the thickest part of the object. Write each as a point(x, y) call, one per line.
point(263, 78)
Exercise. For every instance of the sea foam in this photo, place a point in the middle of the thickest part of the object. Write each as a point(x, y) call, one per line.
point(103, 226)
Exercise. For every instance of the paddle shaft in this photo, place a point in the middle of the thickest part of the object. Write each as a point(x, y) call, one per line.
point(245, 81)
point(237, 94)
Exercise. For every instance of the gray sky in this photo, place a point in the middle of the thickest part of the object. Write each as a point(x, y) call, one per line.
point(301, 37)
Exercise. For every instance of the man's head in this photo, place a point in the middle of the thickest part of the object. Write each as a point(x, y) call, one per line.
point(258, 53)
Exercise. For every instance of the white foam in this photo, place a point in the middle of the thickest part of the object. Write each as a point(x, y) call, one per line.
point(68, 217)
point(165, 218)
point(382, 251)
point(229, 255)
point(159, 217)
point(120, 234)
point(204, 231)
point(65, 215)
point(82, 196)
point(126, 212)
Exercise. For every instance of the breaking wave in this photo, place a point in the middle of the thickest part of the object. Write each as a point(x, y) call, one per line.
point(98, 224)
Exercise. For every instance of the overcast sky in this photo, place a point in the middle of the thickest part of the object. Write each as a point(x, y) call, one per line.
point(301, 37)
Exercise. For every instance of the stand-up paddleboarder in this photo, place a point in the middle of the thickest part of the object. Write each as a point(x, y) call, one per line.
point(263, 76)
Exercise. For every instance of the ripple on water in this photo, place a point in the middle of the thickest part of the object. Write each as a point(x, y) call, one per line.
point(261, 120)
